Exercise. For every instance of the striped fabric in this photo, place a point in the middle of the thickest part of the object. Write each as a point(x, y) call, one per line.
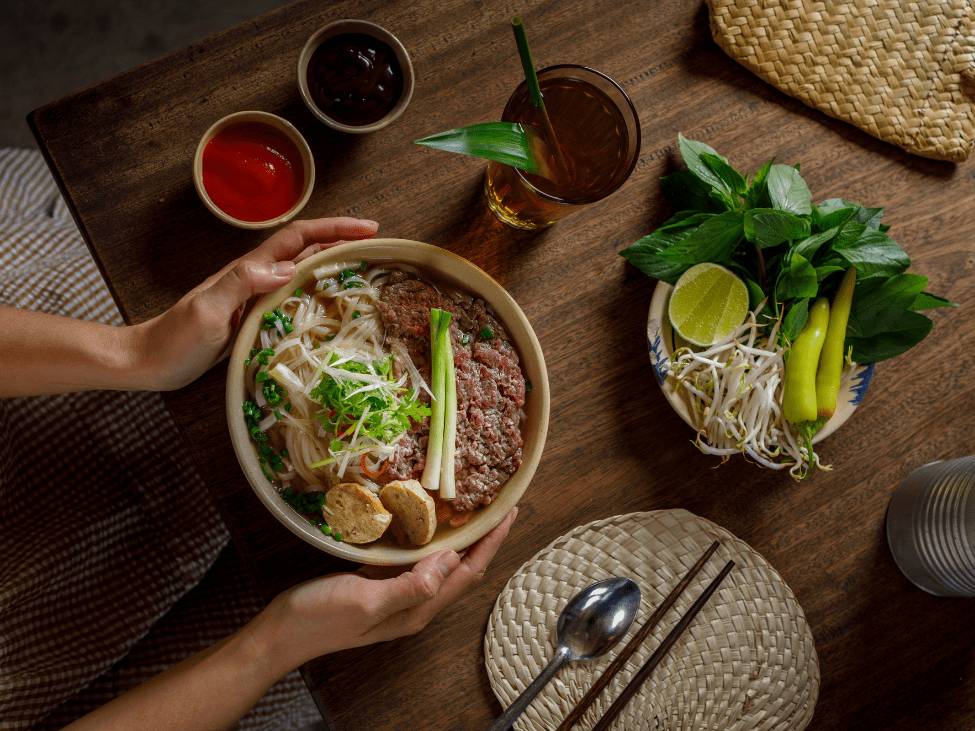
point(114, 563)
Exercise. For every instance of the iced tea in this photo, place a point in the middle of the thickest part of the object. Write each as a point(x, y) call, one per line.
point(598, 132)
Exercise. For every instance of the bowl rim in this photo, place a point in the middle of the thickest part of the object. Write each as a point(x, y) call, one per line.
point(351, 25)
point(660, 338)
point(283, 126)
point(420, 254)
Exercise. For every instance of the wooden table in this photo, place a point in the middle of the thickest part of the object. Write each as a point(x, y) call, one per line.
point(891, 656)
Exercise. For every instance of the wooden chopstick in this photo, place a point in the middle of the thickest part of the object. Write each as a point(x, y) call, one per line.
point(603, 680)
point(650, 665)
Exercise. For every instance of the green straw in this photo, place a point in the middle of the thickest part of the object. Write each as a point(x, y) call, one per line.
point(535, 93)
point(521, 38)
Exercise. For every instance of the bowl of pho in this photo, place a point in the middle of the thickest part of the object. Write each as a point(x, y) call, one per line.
point(390, 402)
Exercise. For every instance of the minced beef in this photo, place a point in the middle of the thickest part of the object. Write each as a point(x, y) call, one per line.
point(490, 389)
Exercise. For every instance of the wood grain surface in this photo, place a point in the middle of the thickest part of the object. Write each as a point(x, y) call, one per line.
point(891, 656)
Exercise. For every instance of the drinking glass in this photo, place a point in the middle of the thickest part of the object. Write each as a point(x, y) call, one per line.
point(931, 527)
point(598, 132)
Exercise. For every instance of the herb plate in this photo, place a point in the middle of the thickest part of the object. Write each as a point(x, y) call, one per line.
point(660, 342)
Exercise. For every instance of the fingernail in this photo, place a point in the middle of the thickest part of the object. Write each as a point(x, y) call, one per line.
point(283, 269)
point(374, 224)
point(447, 563)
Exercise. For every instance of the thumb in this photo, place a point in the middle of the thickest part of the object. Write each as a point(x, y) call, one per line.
point(246, 279)
point(413, 588)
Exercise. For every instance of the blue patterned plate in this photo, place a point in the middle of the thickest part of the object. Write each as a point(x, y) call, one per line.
point(660, 341)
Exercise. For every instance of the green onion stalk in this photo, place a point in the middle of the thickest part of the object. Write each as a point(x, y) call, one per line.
point(440, 349)
point(448, 488)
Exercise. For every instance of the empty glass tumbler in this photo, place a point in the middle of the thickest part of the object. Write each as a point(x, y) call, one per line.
point(931, 527)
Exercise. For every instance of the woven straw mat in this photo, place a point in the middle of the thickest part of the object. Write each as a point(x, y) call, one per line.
point(900, 70)
point(747, 661)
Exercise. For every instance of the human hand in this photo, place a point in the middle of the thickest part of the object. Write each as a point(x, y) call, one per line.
point(341, 611)
point(197, 332)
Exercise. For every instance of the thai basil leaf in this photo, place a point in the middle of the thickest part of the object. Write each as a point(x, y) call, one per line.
point(645, 253)
point(824, 271)
point(685, 219)
point(832, 213)
point(788, 191)
point(728, 175)
point(797, 280)
point(869, 217)
point(902, 334)
point(795, 319)
point(812, 243)
point(871, 251)
point(691, 151)
point(836, 207)
point(758, 188)
point(714, 240)
point(767, 227)
point(878, 303)
point(755, 293)
point(928, 301)
point(686, 191)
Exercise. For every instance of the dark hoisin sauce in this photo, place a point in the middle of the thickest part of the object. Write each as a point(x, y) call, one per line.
point(355, 79)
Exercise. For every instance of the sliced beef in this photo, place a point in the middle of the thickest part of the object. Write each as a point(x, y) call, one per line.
point(490, 389)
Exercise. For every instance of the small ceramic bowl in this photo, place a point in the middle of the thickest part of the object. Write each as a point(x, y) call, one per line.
point(451, 270)
point(282, 126)
point(340, 27)
point(660, 341)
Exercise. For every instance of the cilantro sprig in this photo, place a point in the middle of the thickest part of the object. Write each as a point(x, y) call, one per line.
point(768, 231)
point(364, 396)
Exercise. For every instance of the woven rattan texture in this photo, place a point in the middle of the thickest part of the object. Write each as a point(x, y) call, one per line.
point(901, 70)
point(747, 661)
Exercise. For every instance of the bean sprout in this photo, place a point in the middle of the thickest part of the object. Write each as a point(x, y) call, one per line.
point(734, 389)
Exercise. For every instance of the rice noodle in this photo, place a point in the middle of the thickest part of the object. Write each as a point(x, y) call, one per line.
point(331, 323)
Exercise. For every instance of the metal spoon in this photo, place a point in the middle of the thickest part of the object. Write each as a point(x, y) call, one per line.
point(592, 622)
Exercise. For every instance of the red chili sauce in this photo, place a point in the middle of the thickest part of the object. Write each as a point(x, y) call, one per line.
point(355, 79)
point(252, 171)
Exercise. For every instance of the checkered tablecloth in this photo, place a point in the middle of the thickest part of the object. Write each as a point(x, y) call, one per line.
point(114, 563)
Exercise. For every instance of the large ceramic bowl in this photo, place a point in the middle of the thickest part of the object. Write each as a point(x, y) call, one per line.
point(452, 270)
point(660, 341)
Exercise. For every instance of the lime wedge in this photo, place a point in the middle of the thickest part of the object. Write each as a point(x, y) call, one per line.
point(708, 304)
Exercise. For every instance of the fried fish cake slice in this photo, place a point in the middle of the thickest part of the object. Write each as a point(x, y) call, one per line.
point(356, 513)
point(413, 506)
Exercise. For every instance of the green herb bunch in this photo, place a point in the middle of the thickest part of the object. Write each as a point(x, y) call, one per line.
point(788, 251)
point(346, 398)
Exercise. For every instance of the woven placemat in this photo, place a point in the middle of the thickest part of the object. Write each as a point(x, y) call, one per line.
point(900, 70)
point(747, 661)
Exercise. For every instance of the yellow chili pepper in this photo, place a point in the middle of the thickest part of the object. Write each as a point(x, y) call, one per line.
point(831, 358)
point(799, 384)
